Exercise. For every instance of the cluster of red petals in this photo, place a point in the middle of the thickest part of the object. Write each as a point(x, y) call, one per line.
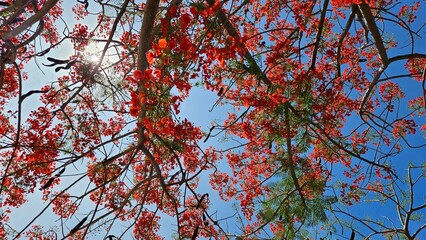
point(184, 21)
point(134, 104)
point(138, 74)
point(342, 3)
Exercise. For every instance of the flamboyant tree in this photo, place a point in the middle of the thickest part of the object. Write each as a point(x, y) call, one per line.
point(323, 107)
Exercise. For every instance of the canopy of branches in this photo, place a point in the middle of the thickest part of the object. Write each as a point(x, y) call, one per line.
point(315, 110)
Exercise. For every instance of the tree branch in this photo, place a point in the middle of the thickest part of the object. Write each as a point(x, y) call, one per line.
point(374, 30)
point(234, 33)
point(290, 162)
point(30, 21)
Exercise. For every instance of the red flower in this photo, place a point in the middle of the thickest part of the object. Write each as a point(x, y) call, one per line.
point(184, 21)
point(193, 11)
point(185, 45)
point(134, 111)
point(138, 74)
point(172, 12)
point(171, 44)
point(134, 107)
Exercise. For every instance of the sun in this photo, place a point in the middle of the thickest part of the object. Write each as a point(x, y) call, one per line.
point(93, 58)
point(92, 53)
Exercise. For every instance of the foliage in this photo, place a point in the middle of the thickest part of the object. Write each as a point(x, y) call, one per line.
point(323, 100)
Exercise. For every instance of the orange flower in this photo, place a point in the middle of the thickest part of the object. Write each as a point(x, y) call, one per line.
point(162, 43)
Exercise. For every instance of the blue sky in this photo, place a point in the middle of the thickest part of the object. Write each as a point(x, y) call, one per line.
point(195, 108)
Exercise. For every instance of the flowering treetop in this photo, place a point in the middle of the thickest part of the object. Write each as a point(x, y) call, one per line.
point(321, 122)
